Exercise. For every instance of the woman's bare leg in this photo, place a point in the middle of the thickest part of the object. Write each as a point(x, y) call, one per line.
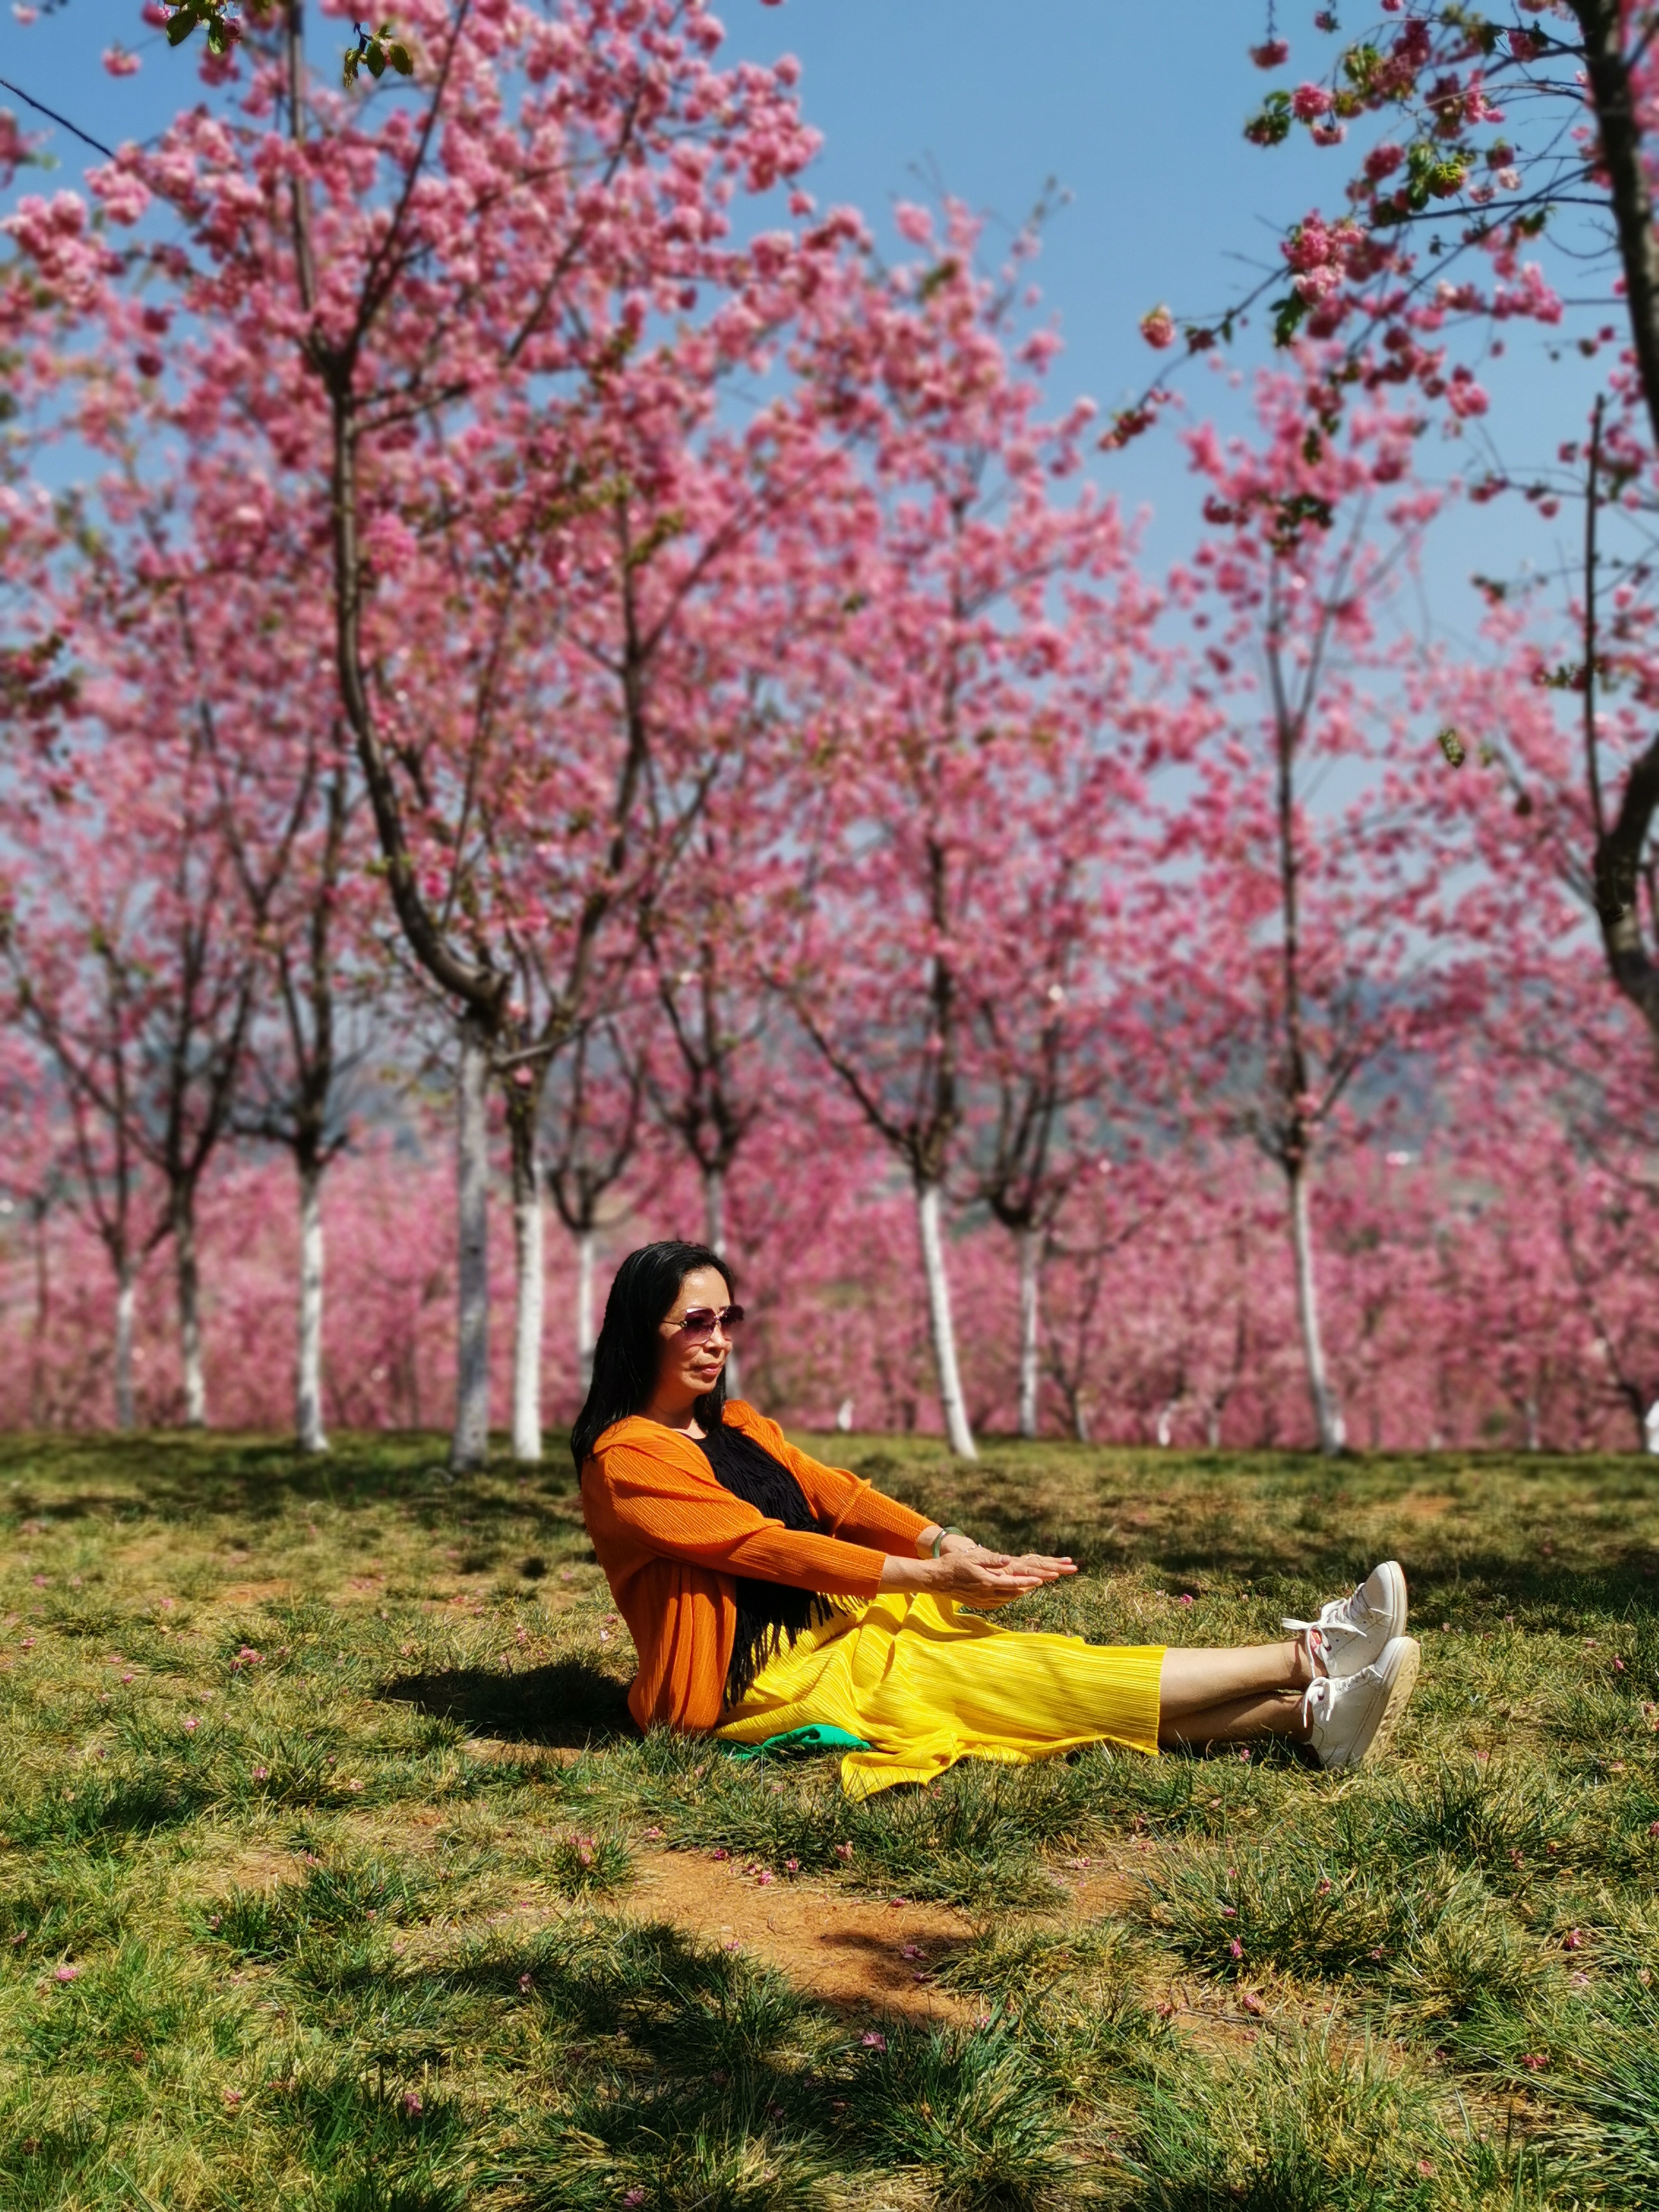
point(1236, 1720)
point(1229, 1697)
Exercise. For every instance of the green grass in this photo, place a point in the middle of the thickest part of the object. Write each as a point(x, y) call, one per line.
point(322, 1816)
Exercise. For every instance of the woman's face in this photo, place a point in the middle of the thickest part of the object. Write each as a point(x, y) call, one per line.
point(692, 1364)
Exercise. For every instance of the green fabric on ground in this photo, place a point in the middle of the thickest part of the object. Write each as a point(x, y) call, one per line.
point(797, 1743)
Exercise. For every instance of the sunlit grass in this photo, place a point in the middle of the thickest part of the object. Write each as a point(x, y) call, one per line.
point(323, 1816)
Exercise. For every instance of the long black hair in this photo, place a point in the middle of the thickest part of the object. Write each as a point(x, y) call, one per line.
point(628, 1355)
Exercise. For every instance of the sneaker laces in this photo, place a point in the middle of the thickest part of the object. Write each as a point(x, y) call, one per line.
point(1318, 1633)
point(1328, 1624)
point(1310, 1698)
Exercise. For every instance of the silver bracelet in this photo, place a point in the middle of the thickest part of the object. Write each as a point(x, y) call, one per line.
point(939, 1541)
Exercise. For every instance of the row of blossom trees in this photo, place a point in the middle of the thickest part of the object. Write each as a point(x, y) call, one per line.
point(506, 598)
point(1504, 1306)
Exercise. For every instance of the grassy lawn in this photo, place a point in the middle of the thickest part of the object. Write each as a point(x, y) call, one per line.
point(333, 1874)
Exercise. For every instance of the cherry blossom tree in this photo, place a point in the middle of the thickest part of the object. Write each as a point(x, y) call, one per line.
point(980, 613)
point(127, 962)
point(1483, 142)
point(437, 319)
point(1323, 928)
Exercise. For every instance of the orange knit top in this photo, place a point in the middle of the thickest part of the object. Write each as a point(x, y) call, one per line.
point(673, 1542)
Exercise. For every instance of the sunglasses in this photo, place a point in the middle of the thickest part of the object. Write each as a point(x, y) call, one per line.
point(702, 1320)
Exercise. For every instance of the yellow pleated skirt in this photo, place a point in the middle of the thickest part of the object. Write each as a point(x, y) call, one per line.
point(925, 1685)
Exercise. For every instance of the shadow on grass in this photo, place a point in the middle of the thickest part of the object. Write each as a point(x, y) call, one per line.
point(179, 1476)
point(568, 1704)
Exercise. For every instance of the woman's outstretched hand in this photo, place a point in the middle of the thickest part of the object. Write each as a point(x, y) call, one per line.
point(973, 1576)
point(1047, 1570)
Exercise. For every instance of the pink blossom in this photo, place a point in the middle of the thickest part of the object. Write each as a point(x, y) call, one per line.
point(843, 1850)
point(232, 2098)
point(1309, 101)
point(1270, 53)
point(873, 2040)
point(1158, 327)
point(66, 1973)
point(412, 2101)
point(1235, 1948)
point(119, 62)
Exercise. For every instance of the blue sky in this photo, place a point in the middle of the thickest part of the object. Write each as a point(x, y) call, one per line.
point(1135, 111)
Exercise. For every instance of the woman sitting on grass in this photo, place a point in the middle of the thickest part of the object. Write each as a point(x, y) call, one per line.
point(765, 1593)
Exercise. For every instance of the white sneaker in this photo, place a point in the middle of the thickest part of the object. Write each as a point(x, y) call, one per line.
point(1348, 1717)
point(1353, 1632)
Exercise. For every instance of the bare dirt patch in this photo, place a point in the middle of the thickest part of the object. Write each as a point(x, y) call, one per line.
point(264, 1864)
point(1422, 1505)
point(855, 1954)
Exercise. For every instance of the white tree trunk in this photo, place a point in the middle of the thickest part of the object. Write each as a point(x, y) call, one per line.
point(1327, 1415)
point(126, 1300)
point(585, 1330)
point(714, 1236)
point(714, 1209)
point(1534, 1434)
point(190, 1319)
point(951, 1403)
point(308, 1375)
point(530, 1304)
point(469, 1444)
point(1650, 1427)
point(1080, 1419)
point(1030, 1268)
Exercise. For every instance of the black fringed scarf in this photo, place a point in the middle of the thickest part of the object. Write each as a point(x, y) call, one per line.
point(770, 1615)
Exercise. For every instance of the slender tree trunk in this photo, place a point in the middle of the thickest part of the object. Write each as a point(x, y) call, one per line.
point(1327, 1417)
point(1030, 1373)
point(42, 1320)
point(951, 1403)
point(714, 1236)
point(308, 1373)
point(469, 1444)
point(531, 1293)
point(1080, 1417)
point(714, 1209)
point(125, 1306)
point(585, 1329)
point(189, 1275)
